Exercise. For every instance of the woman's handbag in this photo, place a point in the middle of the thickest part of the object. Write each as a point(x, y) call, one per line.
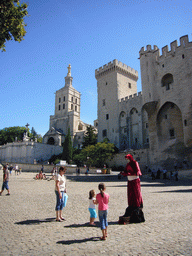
point(65, 199)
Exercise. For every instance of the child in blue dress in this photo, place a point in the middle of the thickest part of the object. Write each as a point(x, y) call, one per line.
point(92, 201)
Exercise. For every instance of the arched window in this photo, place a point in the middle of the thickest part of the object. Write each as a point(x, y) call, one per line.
point(166, 81)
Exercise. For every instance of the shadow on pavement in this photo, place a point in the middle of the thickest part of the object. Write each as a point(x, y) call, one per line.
point(75, 241)
point(164, 183)
point(37, 221)
point(82, 225)
point(176, 191)
point(92, 226)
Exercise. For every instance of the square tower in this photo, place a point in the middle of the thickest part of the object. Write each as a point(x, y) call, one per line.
point(115, 80)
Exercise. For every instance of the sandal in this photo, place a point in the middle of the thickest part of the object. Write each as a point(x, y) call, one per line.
point(62, 218)
point(102, 238)
point(59, 220)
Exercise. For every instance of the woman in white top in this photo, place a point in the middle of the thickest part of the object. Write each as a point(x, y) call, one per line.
point(60, 189)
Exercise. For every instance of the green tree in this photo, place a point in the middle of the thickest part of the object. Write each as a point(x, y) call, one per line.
point(34, 135)
point(103, 152)
point(9, 134)
point(12, 24)
point(95, 155)
point(67, 148)
point(90, 137)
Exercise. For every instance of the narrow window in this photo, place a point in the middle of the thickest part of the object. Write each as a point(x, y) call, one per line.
point(71, 106)
point(64, 98)
point(168, 86)
point(63, 106)
point(76, 101)
point(59, 100)
point(146, 125)
point(135, 140)
point(147, 140)
point(107, 116)
point(163, 66)
point(106, 83)
point(165, 116)
point(172, 133)
point(75, 108)
point(185, 122)
point(72, 99)
point(104, 102)
point(59, 107)
point(104, 133)
point(183, 56)
point(129, 85)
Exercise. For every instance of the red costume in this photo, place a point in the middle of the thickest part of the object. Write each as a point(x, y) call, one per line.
point(132, 170)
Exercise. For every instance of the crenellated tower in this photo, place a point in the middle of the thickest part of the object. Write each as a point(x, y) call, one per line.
point(115, 80)
point(148, 64)
point(167, 89)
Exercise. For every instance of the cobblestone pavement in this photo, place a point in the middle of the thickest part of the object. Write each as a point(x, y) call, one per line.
point(28, 225)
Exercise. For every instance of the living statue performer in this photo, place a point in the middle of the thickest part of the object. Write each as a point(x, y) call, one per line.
point(133, 213)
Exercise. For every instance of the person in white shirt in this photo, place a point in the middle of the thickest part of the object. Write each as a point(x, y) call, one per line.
point(60, 189)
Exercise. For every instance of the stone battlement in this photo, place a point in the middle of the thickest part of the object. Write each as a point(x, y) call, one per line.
point(130, 97)
point(113, 66)
point(184, 43)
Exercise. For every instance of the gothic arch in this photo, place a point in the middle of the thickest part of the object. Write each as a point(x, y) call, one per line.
point(134, 128)
point(123, 131)
point(169, 125)
point(145, 128)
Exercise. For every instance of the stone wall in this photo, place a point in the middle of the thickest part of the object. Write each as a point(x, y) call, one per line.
point(28, 152)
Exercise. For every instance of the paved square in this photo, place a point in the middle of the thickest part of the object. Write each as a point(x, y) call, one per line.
point(28, 225)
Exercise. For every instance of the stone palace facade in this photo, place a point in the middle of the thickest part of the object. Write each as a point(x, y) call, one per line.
point(159, 118)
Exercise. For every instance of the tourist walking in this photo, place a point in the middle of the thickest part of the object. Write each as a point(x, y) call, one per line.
point(16, 169)
point(11, 169)
point(134, 196)
point(60, 190)
point(102, 199)
point(92, 202)
point(5, 180)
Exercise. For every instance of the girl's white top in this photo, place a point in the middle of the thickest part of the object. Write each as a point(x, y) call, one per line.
point(91, 204)
point(62, 182)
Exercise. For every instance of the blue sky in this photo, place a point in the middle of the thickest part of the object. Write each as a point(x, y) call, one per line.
point(86, 34)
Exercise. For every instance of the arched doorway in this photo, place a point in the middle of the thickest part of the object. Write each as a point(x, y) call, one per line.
point(51, 141)
point(169, 125)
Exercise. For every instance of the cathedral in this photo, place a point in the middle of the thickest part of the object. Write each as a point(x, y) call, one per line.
point(67, 115)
